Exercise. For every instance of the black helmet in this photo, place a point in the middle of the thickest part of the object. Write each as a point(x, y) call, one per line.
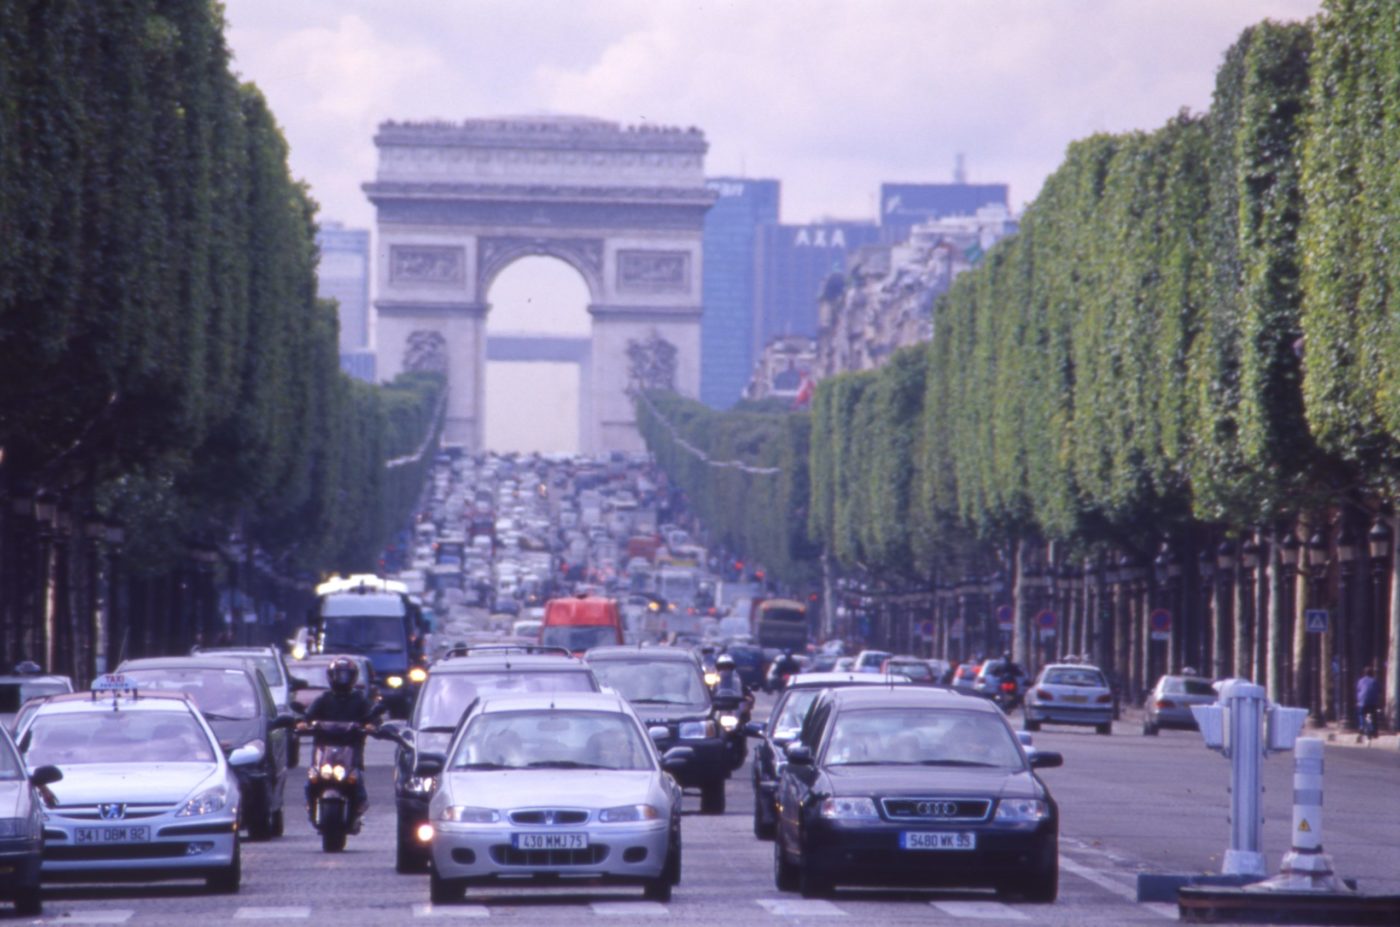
point(1006, 656)
point(343, 674)
point(724, 662)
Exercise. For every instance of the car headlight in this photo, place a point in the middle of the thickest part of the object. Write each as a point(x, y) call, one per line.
point(842, 809)
point(624, 813)
point(417, 675)
point(204, 803)
point(13, 827)
point(466, 814)
point(1022, 809)
point(394, 682)
point(421, 784)
point(695, 730)
point(728, 722)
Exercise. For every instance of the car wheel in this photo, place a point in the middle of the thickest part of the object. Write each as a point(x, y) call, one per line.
point(279, 823)
point(762, 827)
point(408, 857)
point(657, 890)
point(811, 883)
point(444, 891)
point(1030, 724)
point(671, 872)
point(29, 901)
point(226, 881)
point(712, 797)
point(261, 823)
point(1043, 885)
point(1105, 729)
point(1149, 729)
point(785, 874)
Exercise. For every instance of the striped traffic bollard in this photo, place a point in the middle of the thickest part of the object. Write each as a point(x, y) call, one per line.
point(1306, 867)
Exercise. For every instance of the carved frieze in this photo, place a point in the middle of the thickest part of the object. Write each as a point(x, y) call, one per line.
point(432, 264)
point(495, 252)
point(653, 271)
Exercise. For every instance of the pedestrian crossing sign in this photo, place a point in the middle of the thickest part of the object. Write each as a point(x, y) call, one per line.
point(1316, 620)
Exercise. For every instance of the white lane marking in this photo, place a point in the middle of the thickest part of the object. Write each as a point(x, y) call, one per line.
point(272, 913)
point(94, 917)
point(451, 910)
point(1126, 892)
point(985, 910)
point(1163, 908)
point(799, 907)
point(629, 908)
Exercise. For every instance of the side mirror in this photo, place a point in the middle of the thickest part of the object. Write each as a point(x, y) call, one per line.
point(799, 754)
point(676, 758)
point(45, 776)
point(284, 722)
point(658, 732)
point(1046, 759)
point(429, 765)
point(755, 729)
point(246, 755)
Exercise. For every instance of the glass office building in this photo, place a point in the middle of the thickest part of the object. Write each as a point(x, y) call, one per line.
point(730, 286)
point(794, 263)
point(904, 205)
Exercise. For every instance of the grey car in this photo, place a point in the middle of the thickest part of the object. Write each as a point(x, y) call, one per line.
point(21, 828)
point(1169, 703)
point(556, 788)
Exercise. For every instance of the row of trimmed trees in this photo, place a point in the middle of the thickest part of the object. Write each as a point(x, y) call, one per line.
point(172, 412)
point(1176, 391)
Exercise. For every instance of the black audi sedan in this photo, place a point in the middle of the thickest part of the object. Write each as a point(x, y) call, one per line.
point(915, 787)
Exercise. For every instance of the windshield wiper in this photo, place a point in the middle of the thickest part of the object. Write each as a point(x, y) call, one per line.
point(215, 716)
point(437, 729)
point(873, 763)
point(564, 764)
point(955, 763)
point(660, 701)
point(486, 766)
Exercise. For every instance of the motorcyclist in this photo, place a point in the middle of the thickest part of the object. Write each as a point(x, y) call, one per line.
point(783, 665)
point(343, 702)
point(1009, 668)
point(731, 685)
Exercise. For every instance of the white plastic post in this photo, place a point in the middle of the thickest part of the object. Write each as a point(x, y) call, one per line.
point(1306, 868)
point(1244, 719)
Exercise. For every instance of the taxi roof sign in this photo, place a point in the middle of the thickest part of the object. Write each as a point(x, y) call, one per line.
point(113, 682)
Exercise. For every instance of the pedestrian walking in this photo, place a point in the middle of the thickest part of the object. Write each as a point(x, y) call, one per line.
point(1368, 703)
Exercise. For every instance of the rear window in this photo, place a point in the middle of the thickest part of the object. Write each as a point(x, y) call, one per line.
point(220, 694)
point(15, 694)
point(447, 695)
point(1178, 686)
point(1086, 678)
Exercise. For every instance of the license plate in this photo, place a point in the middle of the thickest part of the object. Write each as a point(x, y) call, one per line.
point(924, 840)
point(105, 835)
point(1077, 699)
point(550, 841)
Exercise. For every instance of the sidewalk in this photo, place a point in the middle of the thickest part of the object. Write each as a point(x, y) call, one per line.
point(1332, 733)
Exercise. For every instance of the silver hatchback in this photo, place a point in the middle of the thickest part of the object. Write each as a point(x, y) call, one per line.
point(556, 788)
point(1169, 703)
point(1070, 693)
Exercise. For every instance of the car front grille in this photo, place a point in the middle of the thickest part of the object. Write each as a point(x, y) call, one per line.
point(936, 808)
point(132, 812)
point(503, 854)
point(64, 854)
point(549, 816)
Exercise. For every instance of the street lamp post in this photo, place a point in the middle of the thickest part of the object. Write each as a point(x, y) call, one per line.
point(1349, 639)
point(1288, 552)
point(1317, 574)
point(1380, 543)
point(1245, 607)
point(1220, 617)
point(1205, 571)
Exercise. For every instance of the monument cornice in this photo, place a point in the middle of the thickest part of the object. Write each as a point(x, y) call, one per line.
point(544, 133)
point(378, 191)
point(424, 307)
point(645, 313)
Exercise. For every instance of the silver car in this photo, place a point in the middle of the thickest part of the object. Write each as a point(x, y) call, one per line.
point(1070, 693)
point(554, 787)
point(1169, 703)
point(146, 792)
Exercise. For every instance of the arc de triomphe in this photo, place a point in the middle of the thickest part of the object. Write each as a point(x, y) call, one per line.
point(625, 207)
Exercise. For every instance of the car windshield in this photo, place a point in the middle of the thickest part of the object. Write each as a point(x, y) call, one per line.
point(1086, 678)
point(106, 736)
point(1175, 685)
point(222, 694)
point(794, 710)
point(918, 671)
point(921, 737)
point(313, 673)
point(550, 739)
point(364, 634)
point(578, 637)
point(15, 694)
point(10, 766)
point(447, 695)
point(653, 682)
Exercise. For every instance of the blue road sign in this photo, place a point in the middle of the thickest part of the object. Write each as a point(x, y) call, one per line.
point(1317, 620)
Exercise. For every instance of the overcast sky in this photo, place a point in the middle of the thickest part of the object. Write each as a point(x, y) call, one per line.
point(829, 96)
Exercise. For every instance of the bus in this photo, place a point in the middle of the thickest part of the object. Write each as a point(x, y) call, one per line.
point(374, 617)
point(780, 624)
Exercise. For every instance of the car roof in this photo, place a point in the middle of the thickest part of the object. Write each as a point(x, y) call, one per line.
point(818, 680)
point(82, 702)
point(559, 701)
point(251, 649)
point(1073, 666)
point(229, 662)
point(908, 697)
point(44, 677)
point(645, 654)
point(494, 662)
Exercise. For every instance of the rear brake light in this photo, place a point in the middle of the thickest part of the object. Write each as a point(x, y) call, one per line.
point(1165, 703)
point(1104, 699)
point(1008, 687)
point(1044, 696)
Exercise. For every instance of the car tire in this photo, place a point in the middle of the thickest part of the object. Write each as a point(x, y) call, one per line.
point(262, 824)
point(657, 889)
point(1043, 885)
point(445, 891)
point(1030, 724)
point(785, 874)
point(671, 872)
point(1105, 729)
point(279, 823)
point(812, 883)
point(1149, 729)
point(227, 880)
point(408, 858)
point(712, 797)
point(29, 901)
point(762, 827)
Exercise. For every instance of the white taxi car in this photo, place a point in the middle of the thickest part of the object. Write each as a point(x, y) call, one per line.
point(1070, 693)
point(554, 787)
point(146, 793)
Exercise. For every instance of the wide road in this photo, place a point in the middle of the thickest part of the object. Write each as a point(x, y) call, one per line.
point(1128, 804)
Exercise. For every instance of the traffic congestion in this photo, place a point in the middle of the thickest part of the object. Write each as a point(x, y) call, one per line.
point(565, 683)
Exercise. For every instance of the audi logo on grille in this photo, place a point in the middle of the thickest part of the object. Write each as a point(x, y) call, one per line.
point(936, 809)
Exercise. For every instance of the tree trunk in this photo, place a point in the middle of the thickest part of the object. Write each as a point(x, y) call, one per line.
point(1274, 658)
point(1392, 662)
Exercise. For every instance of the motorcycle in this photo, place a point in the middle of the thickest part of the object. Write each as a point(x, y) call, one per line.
point(731, 714)
point(1008, 695)
point(334, 776)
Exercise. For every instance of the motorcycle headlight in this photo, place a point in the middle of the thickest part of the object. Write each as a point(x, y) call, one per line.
point(728, 722)
point(204, 803)
point(1022, 809)
point(13, 827)
point(712, 679)
point(327, 771)
point(394, 682)
point(695, 730)
point(842, 809)
point(417, 675)
point(466, 814)
point(338, 771)
point(624, 813)
point(421, 784)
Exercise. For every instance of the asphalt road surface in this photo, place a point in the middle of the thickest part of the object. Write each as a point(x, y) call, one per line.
point(1128, 804)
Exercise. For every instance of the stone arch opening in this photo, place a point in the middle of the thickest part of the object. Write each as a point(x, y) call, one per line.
point(537, 352)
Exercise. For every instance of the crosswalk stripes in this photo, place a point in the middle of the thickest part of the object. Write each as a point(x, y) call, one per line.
point(629, 909)
point(799, 907)
point(450, 910)
point(285, 913)
point(979, 910)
